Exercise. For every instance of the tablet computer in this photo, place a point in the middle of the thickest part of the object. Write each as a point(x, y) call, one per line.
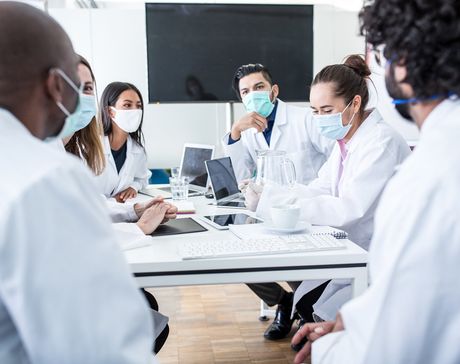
point(222, 222)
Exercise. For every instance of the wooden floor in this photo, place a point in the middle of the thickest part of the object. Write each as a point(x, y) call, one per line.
point(217, 324)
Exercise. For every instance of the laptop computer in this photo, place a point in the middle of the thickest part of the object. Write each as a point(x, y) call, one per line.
point(223, 183)
point(192, 166)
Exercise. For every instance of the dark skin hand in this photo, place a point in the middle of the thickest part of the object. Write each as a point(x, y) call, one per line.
point(314, 331)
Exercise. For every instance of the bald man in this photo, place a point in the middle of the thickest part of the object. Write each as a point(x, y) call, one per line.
point(66, 293)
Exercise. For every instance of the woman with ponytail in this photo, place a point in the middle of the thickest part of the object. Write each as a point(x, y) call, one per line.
point(347, 190)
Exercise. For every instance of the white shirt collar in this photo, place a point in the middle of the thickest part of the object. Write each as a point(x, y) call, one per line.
point(12, 122)
point(438, 115)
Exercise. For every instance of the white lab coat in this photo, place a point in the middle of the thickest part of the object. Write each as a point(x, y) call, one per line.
point(374, 152)
point(293, 132)
point(119, 212)
point(411, 312)
point(66, 293)
point(134, 172)
point(123, 216)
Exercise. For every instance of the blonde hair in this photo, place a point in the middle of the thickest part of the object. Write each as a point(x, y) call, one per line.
point(87, 145)
point(87, 142)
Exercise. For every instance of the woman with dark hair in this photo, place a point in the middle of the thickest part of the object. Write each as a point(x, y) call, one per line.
point(349, 184)
point(85, 143)
point(121, 115)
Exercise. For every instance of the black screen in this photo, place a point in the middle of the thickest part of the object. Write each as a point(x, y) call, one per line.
point(222, 177)
point(193, 165)
point(194, 49)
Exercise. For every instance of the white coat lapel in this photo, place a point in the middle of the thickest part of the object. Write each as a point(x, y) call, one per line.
point(108, 153)
point(335, 165)
point(261, 143)
point(279, 125)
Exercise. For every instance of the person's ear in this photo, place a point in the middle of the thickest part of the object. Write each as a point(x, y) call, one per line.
point(356, 103)
point(54, 86)
point(111, 112)
point(275, 91)
point(400, 74)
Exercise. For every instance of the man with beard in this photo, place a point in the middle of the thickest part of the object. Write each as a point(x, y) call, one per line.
point(410, 312)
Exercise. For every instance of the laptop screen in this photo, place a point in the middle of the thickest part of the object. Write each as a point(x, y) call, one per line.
point(193, 165)
point(222, 177)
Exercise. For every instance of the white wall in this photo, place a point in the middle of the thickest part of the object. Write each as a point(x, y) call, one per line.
point(114, 42)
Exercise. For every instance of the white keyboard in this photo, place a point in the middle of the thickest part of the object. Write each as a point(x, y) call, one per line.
point(273, 245)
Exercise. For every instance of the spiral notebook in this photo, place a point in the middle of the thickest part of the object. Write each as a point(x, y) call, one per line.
point(258, 231)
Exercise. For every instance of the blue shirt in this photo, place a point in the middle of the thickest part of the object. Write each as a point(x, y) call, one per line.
point(119, 156)
point(267, 132)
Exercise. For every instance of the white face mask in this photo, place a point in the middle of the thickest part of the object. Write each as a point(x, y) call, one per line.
point(127, 120)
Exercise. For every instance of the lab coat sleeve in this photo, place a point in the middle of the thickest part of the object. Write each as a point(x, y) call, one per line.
point(376, 166)
point(142, 173)
point(120, 212)
point(332, 349)
point(242, 161)
point(128, 227)
point(66, 285)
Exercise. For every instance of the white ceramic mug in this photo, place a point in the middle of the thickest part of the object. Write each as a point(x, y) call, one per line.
point(285, 216)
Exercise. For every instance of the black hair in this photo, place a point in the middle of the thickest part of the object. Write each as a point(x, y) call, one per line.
point(349, 79)
point(422, 35)
point(109, 98)
point(248, 69)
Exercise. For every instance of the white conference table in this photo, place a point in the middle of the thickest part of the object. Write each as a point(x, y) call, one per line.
point(159, 264)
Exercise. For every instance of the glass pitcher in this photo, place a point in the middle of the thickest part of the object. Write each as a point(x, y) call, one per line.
point(274, 167)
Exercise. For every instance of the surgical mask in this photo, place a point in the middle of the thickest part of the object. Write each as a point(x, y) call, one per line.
point(82, 116)
point(400, 101)
point(259, 102)
point(86, 113)
point(78, 119)
point(127, 120)
point(331, 126)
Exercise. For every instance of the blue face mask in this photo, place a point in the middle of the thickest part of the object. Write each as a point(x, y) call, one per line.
point(331, 126)
point(83, 114)
point(259, 102)
point(81, 118)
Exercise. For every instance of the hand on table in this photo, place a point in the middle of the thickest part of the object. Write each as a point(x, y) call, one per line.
point(141, 207)
point(153, 217)
point(125, 195)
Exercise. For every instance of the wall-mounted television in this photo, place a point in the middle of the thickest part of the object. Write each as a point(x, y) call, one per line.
point(194, 49)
